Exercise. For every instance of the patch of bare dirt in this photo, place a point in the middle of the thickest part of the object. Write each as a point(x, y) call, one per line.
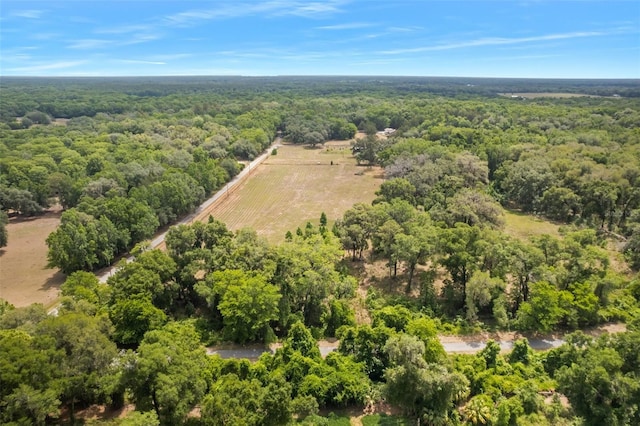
point(24, 276)
point(100, 412)
point(514, 335)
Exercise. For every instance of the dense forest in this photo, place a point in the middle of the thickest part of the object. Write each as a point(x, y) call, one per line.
point(124, 157)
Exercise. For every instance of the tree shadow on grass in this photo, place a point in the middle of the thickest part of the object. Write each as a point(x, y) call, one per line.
point(53, 282)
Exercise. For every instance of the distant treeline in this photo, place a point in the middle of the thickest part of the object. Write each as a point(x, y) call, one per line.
point(66, 97)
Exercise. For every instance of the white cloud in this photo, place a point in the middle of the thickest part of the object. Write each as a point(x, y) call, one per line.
point(139, 38)
point(89, 43)
point(346, 26)
point(409, 29)
point(126, 29)
point(28, 14)
point(94, 43)
point(313, 9)
point(494, 41)
point(169, 57)
point(269, 8)
point(43, 36)
point(139, 61)
point(35, 68)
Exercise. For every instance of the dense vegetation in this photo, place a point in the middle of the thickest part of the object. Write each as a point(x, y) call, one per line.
point(136, 154)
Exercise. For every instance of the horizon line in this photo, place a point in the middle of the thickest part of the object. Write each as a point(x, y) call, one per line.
point(317, 76)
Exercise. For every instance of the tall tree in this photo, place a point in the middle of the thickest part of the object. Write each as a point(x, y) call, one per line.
point(247, 303)
point(82, 242)
point(167, 374)
point(88, 369)
point(425, 390)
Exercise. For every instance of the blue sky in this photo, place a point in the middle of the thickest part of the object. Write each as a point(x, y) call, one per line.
point(507, 38)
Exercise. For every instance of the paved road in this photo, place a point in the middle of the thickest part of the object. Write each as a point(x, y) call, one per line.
point(449, 347)
point(159, 239)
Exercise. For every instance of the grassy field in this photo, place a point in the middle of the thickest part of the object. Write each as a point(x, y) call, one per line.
point(24, 276)
point(286, 191)
point(524, 226)
point(296, 186)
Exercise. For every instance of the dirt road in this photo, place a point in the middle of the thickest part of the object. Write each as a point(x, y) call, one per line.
point(202, 211)
point(451, 344)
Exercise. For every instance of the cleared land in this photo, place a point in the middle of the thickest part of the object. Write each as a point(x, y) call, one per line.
point(286, 191)
point(524, 226)
point(295, 186)
point(532, 95)
point(24, 276)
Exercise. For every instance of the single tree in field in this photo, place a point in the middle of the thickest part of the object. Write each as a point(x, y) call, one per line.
point(323, 219)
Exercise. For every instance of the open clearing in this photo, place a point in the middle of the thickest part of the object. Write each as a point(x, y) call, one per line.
point(524, 226)
point(286, 191)
point(531, 95)
point(24, 276)
point(295, 186)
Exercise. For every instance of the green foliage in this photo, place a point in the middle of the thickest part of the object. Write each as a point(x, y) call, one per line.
point(396, 317)
point(235, 401)
point(366, 345)
point(136, 155)
point(305, 272)
point(167, 374)
point(546, 308)
point(339, 314)
point(138, 418)
point(82, 285)
point(4, 234)
point(87, 368)
point(82, 242)
point(490, 353)
point(384, 420)
point(247, 303)
point(600, 390)
point(132, 318)
point(26, 318)
point(299, 339)
point(420, 388)
point(31, 381)
point(20, 200)
point(304, 406)
point(479, 410)
point(521, 352)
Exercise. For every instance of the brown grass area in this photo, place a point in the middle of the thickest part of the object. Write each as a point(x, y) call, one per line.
point(294, 187)
point(24, 276)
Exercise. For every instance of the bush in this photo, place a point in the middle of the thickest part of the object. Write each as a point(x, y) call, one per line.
point(304, 406)
point(384, 420)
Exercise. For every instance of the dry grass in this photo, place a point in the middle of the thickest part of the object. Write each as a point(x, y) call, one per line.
point(295, 186)
point(24, 276)
point(283, 193)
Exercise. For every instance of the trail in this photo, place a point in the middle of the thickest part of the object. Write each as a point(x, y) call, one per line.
point(451, 344)
point(470, 347)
